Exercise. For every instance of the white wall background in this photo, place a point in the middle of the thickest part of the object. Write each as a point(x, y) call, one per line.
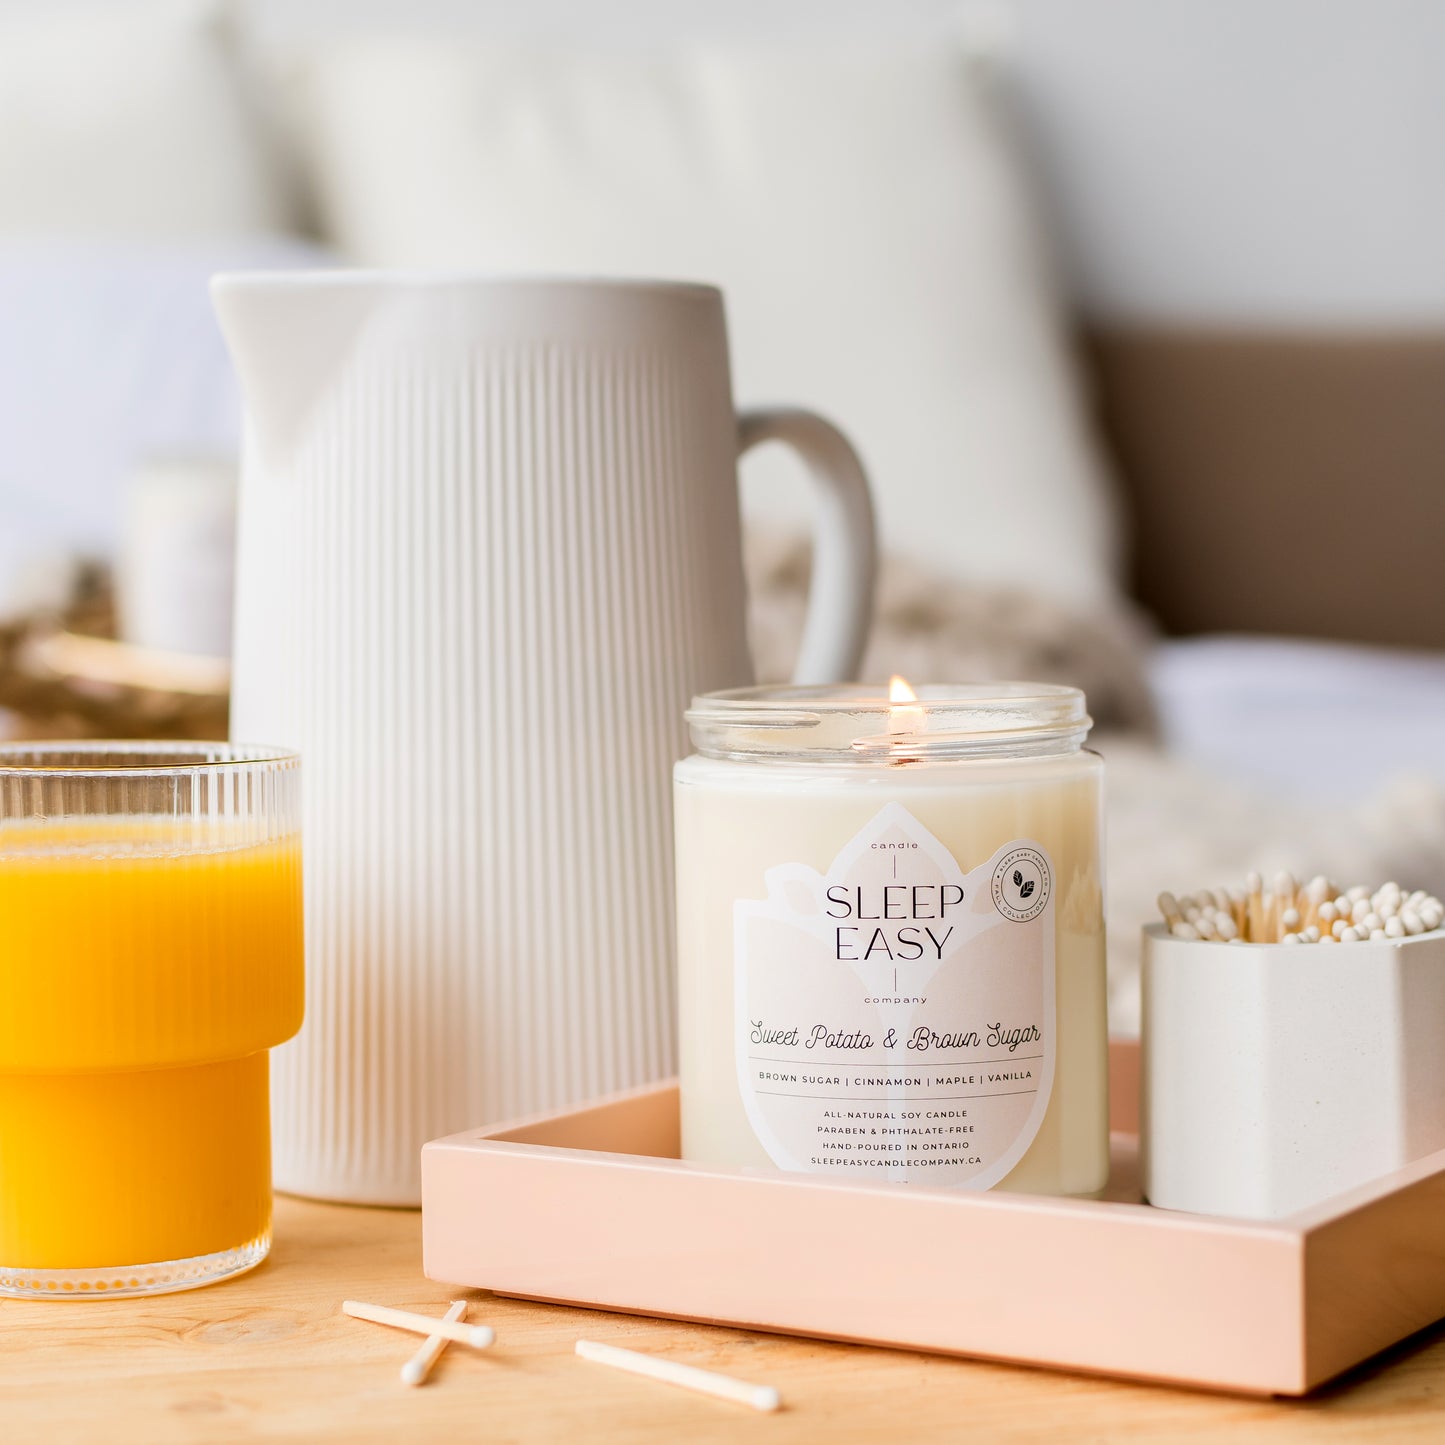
point(1254, 161)
point(1259, 160)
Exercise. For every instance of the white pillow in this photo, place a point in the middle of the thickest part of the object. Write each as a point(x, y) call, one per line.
point(861, 208)
point(130, 119)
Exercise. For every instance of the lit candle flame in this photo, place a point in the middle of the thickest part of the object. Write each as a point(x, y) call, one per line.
point(903, 718)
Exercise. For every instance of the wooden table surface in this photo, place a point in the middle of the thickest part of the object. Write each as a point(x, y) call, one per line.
point(269, 1357)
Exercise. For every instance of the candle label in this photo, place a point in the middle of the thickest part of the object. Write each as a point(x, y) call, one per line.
point(895, 1017)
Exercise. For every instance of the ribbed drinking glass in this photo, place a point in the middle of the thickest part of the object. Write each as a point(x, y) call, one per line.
point(150, 956)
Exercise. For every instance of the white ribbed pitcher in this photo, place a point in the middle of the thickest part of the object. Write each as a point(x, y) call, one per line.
point(489, 548)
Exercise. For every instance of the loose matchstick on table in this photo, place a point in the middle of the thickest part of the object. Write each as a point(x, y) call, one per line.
point(416, 1369)
point(690, 1377)
point(477, 1336)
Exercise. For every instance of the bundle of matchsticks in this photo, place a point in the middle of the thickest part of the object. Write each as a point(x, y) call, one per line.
point(1315, 912)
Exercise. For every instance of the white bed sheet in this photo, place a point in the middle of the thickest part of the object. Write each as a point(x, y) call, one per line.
point(1309, 719)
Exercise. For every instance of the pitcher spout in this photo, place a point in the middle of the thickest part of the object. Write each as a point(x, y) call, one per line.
point(289, 334)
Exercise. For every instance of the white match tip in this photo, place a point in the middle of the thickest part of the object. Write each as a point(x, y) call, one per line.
point(765, 1397)
point(412, 1373)
point(481, 1336)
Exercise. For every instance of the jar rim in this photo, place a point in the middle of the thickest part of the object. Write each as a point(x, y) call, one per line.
point(859, 722)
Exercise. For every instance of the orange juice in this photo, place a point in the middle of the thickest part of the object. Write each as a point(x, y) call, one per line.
point(146, 967)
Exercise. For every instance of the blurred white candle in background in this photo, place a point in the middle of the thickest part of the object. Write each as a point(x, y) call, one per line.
point(176, 570)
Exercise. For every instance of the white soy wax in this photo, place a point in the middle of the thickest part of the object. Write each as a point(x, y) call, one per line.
point(891, 938)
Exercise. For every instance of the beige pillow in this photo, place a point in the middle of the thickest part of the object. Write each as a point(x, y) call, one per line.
point(130, 119)
point(861, 208)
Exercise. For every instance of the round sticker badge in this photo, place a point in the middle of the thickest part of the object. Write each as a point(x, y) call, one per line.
point(1021, 884)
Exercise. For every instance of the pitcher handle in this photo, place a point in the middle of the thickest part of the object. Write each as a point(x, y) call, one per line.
point(845, 546)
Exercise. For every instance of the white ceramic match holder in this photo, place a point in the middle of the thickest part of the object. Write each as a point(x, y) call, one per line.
point(1277, 1076)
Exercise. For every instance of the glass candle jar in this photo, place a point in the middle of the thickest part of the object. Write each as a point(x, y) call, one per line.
point(891, 936)
point(150, 956)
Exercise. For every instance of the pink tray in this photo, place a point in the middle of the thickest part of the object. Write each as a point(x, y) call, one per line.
point(593, 1207)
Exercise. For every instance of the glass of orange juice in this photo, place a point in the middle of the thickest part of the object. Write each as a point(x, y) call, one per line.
point(150, 956)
